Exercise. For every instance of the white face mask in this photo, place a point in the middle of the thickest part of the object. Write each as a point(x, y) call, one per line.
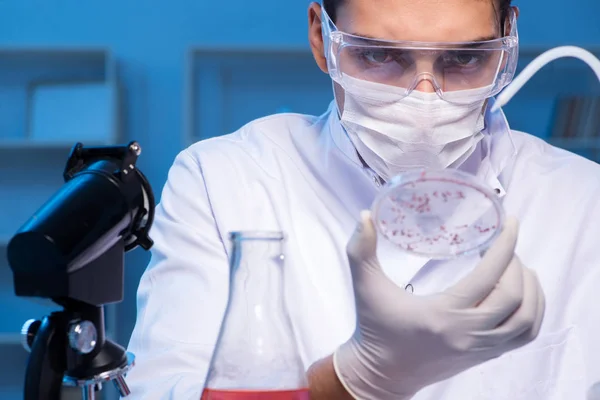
point(393, 134)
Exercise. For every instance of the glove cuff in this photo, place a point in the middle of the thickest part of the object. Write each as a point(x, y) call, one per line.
point(342, 376)
point(361, 378)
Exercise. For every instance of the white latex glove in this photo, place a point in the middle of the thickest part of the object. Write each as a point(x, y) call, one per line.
point(405, 342)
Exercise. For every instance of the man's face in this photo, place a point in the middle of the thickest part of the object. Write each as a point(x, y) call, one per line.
point(409, 20)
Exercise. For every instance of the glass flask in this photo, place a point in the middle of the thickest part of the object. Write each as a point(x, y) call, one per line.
point(256, 357)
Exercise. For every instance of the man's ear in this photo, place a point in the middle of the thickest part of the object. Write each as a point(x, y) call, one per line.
point(507, 27)
point(315, 36)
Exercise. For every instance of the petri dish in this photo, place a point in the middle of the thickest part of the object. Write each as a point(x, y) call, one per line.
point(438, 214)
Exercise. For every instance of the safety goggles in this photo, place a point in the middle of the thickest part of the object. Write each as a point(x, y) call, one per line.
point(460, 72)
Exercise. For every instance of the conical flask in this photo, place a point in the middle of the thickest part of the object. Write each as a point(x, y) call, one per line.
point(256, 357)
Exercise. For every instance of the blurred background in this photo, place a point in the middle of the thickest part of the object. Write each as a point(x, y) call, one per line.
point(169, 73)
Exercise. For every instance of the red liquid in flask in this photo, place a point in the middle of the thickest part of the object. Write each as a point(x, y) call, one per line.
point(298, 394)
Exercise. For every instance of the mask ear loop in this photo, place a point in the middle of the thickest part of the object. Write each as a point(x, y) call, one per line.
point(538, 63)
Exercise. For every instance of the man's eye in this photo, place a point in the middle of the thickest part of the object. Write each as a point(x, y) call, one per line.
point(463, 59)
point(377, 56)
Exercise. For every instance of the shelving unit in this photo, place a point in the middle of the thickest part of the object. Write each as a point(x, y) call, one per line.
point(533, 109)
point(51, 98)
point(229, 87)
point(32, 80)
point(37, 129)
point(10, 338)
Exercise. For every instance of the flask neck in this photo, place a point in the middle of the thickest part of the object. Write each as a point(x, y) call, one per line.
point(257, 263)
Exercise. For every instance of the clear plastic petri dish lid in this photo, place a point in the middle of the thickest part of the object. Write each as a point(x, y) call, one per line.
point(438, 214)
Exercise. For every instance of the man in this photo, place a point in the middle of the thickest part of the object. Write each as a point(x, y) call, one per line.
point(405, 98)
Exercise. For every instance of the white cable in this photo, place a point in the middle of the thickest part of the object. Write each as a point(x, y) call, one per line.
point(538, 63)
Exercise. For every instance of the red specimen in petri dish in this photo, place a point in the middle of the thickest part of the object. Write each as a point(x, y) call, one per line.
point(438, 214)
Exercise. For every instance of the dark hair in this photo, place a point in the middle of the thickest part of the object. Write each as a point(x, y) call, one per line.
point(331, 7)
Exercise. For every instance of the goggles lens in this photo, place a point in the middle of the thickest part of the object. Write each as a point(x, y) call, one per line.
point(450, 67)
point(448, 70)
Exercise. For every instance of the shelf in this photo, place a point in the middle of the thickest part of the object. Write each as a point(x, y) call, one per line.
point(13, 374)
point(229, 87)
point(32, 191)
point(56, 63)
point(4, 242)
point(17, 310)
point(10, 339)
point(49, 93)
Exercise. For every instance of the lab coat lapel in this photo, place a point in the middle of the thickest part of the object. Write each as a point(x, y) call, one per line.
point(399, 266)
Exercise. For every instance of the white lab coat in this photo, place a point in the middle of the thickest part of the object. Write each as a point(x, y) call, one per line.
point(300, 174)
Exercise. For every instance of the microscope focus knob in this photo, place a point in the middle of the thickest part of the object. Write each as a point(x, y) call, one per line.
point(83, 336)
point(28, 331)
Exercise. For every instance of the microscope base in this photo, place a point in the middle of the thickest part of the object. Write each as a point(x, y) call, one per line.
point(90, 385)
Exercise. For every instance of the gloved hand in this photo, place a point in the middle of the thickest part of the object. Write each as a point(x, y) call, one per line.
point(404, 342)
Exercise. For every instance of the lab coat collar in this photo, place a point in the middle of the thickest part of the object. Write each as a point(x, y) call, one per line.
point(496, 151)
point(500, 149)
point(340, 137)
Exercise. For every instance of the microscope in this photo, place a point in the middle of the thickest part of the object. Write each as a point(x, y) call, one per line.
point(71, 251)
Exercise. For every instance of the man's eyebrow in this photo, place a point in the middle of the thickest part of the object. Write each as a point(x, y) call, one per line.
point(473, 42)
point(362, 35)
point(483, 39)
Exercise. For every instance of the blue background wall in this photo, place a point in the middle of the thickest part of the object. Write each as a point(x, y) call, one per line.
point(169, 91)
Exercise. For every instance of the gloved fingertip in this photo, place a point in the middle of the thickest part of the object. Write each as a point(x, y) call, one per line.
point(365, 217)
point(507, 240)
point(367, 225)
point(363, 243)
point(365, 229)
point(511, 224)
